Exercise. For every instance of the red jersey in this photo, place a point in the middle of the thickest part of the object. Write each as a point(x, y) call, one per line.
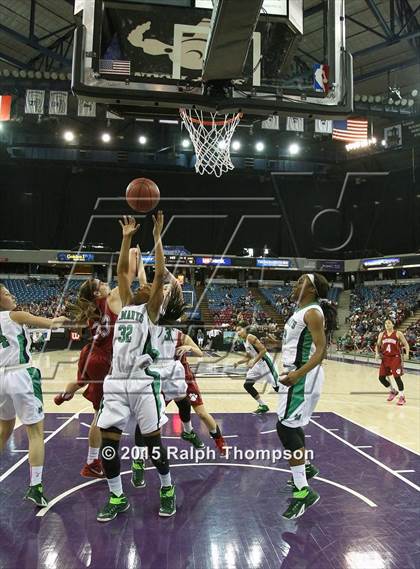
point(103, 329)
point(390, 345)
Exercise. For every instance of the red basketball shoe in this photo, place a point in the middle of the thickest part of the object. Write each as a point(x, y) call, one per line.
point(220, 444)
point(93, 470)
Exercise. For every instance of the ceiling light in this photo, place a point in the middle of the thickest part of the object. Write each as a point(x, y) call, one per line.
point(294, 149)
point(68, 136)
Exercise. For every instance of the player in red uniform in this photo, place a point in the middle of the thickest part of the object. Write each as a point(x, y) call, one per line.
point(187, 345)
point(97, 307)
point(389, 346)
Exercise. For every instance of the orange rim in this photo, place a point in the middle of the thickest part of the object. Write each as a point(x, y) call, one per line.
point(212, 122)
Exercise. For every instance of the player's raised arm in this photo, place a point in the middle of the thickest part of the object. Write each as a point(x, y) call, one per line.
point(25, 318)
point(129, 228)
point(141, 273)
point(156, 295)
point(114, 295)
point(405, 344)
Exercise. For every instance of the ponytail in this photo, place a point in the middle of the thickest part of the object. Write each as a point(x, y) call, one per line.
point(84, 308)
point(174, 306)
point(322, 287)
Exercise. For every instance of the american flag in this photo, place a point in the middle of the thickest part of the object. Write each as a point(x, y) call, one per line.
point(114, 67)
point(350, 130)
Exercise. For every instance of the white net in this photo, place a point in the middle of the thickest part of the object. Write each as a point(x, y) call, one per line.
point(211, 139)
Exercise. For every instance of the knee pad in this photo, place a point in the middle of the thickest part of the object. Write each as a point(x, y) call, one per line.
point(184, 409)
point(249, 387)
point(399, 382)
point(291, 438)
point(157, 453)
point(384, 381)
point(110, 457)
point(138, 437)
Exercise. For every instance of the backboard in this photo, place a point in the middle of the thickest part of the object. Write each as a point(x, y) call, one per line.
point(149, 59)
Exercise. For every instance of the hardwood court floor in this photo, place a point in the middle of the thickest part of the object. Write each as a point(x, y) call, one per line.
point(228, 508)
point(350, 390)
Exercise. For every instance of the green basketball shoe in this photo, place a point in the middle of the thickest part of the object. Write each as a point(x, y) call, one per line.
point(137, 474)
point(261, 409)
point(167, 501)
point(310, 470)
point(36, 495)
point(192, 438)
point(115, 505)
point(301, 501)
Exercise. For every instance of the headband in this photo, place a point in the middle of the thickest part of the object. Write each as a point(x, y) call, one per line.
point(311, 277)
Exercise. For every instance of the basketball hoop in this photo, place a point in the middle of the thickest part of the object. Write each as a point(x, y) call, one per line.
point(211, 139)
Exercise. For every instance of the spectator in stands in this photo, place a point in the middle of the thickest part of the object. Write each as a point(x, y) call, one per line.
point(200, 338)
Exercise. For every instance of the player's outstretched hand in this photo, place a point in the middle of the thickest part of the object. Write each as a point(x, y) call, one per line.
point(129, 226)
point(158, 224)
point(181, 350)
point(60, 322)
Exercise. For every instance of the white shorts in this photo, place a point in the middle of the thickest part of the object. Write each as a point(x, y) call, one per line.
point(297, 403)
point(139, 398)
point(172, 376)
point(261, 372)
point(21, 395)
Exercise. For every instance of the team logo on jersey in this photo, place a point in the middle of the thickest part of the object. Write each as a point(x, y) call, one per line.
point(292, 323)
point(193, 397)
point(398, 371)
point(297, 417)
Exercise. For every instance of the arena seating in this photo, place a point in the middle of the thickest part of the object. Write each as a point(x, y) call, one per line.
point(279, 297)
point(229, 304)
point(275, 293)
point(36, 291)
point(412, 335)
point(334, 294)
point(369, 308)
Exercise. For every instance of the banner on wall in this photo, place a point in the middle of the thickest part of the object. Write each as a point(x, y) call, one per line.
point(58, 103)
point(34, 102)
point(296, 124)
point(323, 126)
point(271, 123)
point(393, 135)
point(86, 108)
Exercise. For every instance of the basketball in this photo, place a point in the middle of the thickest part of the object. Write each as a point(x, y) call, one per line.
point(142, 195)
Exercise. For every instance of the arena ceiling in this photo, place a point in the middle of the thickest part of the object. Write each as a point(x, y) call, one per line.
point(383, 35)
